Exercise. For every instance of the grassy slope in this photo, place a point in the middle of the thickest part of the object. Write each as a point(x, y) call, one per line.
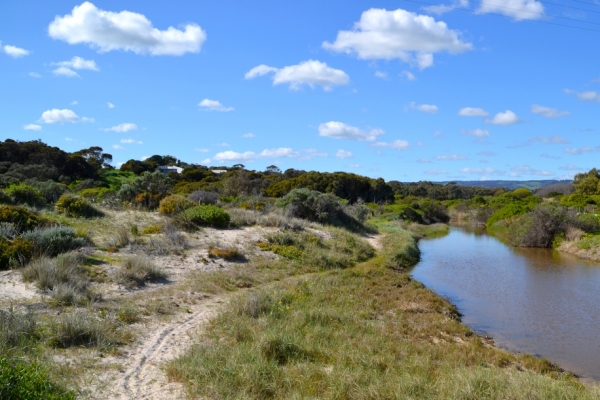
point(366, 332)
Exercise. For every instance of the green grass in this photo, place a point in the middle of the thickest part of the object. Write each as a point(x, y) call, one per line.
point(366, 332)
point(20, 381)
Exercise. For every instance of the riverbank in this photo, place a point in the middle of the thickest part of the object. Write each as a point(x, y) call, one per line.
point(368, 331)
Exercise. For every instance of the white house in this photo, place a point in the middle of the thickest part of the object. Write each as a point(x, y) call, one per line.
point(165, 169)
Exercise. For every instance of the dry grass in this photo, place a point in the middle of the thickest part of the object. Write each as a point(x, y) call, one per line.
point(366, 332)
point(137, 270)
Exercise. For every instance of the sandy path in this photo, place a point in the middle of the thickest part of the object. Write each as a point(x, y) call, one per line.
point(140, 376)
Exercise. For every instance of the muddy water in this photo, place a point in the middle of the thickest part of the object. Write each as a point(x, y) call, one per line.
point(528, 300)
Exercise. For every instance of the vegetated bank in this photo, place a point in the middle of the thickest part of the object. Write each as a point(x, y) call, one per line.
point(325, 316)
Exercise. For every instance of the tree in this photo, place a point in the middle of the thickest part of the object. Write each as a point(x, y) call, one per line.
point(96, 158)
point(587, 182)
point(272, 169)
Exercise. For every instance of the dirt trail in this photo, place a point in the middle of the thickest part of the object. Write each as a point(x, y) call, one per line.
point(140, 376)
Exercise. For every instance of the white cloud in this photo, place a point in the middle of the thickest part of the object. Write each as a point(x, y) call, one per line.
point(504, 118)
point(249, 135)
point(64, 71)
point(439, 134)
point(451, 157)
point(380, 74)
point(311, 72)
point(436, 172)
point(476, 132)
point(32, 127)
point(419, 143)
point(353, 166)
point(570, 167)
point(472, 112)
point(110, 105)
point(55, 116)
point(408, 75)
point(396, 144)
point(121, 128)
point(125, 30)
point(214, 105)
point(68, 139)
point(223, 144)
point(201, 150)
point(577, 151)
point(589, 96)
point(117, 147)
point(424, 161)
point(34, 75)
point(549, 140)
point(14, 52)
point(343, 154)
point(548, 112)
point(527, 170)
point(131, 141)
point(339, 130)
point(444, 8)
point(78, 63)
point(233, 156)
point(74, 102)
point(479, 171)
point(517, 9)
point(86, 119)
point(428, 108)
point(549, 156)
point(309, 154)
point(278, 153)
point(410, 37)
point(205, 161)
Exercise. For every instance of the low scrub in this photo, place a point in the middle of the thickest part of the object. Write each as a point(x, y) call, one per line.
point(203, 215)
point(174, 204)
point(54, 240)
point(84, 328)
point(274, 218)
point(137, 270)
point(151, 230)
point(76, 206)
point(400, 249)
point(14, 252)
point(16, 329)
point(21, 381)
point(230, 253)
point(23, 218)
point(21, 193)
point(203, 197)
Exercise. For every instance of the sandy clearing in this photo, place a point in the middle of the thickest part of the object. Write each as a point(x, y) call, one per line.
point(13, 289)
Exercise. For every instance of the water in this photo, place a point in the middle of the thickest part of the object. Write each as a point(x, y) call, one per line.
point(536, 301)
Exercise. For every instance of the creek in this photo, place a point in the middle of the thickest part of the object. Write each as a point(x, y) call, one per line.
point(537, 301)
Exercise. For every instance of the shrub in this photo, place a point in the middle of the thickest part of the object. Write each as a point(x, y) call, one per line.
point(17, 251)
point(21, 381)
point(16, 329)
point(227, 253)
point(50, 190)
point(174, 204)
point(81, 328)
point(136, 271)
point(522, 193)
point(75, 206)
point(151, 230)
point(4, 199)
point(204, 215)
point(508, 211)
point(9, 230)
point(21, 193)
point(96, 193)
point(146, 190)
point(311, 205)
point(55, 240)
point(203, 197)
point(22, 217)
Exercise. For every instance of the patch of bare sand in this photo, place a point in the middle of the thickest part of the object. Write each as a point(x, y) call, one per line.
point(572, 248)
point(13, 289)
point(374, 240)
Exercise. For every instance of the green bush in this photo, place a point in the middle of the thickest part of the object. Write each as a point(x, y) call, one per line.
point(4, 198)
point(75, 206)
point(22, 217)
point(96, 193)
point(522, 193)
point(174, 204)
point(21, 193)
point(18, 250)
point(55, 240)
point(204, 215)
point(19, 381)
point(50, 190)
point(508, 211)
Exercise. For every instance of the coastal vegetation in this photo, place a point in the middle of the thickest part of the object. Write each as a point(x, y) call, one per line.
point(314, 267)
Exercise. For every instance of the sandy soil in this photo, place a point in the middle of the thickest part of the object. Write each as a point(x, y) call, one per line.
point(14, 290)
point(571, 248)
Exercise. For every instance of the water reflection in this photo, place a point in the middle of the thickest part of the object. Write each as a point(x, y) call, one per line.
point(537, 301)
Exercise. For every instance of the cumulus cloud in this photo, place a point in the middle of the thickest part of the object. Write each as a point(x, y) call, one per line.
point(32, 127)
point(343, 154)
point(249, 135)
point(436, 172)
point(117, 147)
point(56, 116)
point(504, 118)
point(233, 156)
point(396, 144)
point(577, 151)
point(125, 30)
point(428, 108)
point(131, 141)
point(14, 52)
point(199, 150)
point(124, 127)
point(339, 130)
point(476, 132)
point(64, 71)
point(380, 74)
point(472, 112)
point(214, 105)
point(78, 63)
point(451, 157)
point(589, 96)
point(527, 170)
point(311, 73)
point(410, 37)
point(517, 9)
point(440, 9)
point(408, 75)
point(548, 112)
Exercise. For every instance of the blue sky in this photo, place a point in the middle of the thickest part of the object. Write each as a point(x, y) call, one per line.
point(426, 90)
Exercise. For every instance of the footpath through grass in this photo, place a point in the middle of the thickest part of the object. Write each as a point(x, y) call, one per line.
point(365, 332)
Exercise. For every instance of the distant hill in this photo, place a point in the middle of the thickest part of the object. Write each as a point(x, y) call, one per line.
point(511, 185)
